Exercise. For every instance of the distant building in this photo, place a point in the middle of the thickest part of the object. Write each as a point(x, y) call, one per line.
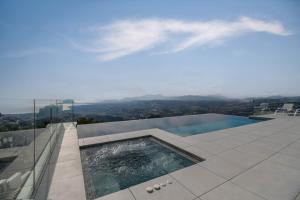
point(66, 106)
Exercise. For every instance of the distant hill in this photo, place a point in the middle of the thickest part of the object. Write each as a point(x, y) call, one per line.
point(200, 98)
point(282, 99)
point(146, 98)
point(176, 98)
point(205, 98)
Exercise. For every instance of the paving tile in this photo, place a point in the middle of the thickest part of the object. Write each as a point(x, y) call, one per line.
point(211, 148)
point(253, 135)
point(294, 128)
point(262, 133)
point(72, 188)
point(160, 132)
point(281, 139)
point(71, 133)
point(262, 149)
point(229, 191)
point(69, 142)
point(242, 159)
point(173, 141)
point(292, 151)
point(198, 151)
point(286, 160)
point(177, 143)
point(221, 167)
point(271, 181)
point(167, 136)
point(128, 135)
point(247, 128)
point(228, 142)
point(68, 153)
point(115, 137)
point(96, 140)
point(242, 138)
point(120, 195)
point(67, 180)
point(197, 179)
point(206, 137)
point(173, 191)
point(67, 169)
point(81, 142)
point(295, 146)
point(298, 196)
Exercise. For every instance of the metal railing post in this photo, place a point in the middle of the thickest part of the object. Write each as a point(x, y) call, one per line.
point(72, 110)
point(34, 140)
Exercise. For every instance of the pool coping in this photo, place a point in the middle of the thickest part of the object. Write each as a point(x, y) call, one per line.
point(222, 149)
point(192, 157)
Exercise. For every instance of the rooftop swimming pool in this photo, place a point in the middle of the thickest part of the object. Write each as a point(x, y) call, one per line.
point(179, 125)
point(114, 166)
point(212, 124)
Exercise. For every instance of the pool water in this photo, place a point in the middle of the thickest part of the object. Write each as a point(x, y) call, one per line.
point(115, 166)
point(180, 125)
point(212, 124)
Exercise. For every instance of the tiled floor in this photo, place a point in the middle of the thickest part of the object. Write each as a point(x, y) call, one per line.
point(253, 162)
point(67, 181)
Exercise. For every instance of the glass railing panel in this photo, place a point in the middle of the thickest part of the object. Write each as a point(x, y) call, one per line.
point(16, 146)
point(29, 135)
point(55, 112)
point(46, 111)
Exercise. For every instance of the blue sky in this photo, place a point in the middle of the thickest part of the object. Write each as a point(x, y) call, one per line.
point(113, 49)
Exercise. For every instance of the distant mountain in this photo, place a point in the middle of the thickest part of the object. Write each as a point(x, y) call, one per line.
point(281, 99)
point(178, 98)
point(146, 98)
point(200, 98)
point(110, 101)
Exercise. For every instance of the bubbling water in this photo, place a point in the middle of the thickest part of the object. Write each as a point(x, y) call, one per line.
point(119, 165)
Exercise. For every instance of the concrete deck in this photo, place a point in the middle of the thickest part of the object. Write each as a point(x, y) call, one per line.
point(256, 162)
point(67, 179)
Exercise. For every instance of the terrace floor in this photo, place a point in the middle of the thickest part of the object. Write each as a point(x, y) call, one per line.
point(256, 162)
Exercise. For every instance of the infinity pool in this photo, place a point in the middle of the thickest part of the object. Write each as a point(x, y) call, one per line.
point(115, 166)
point(180, 125)
point(209, 124)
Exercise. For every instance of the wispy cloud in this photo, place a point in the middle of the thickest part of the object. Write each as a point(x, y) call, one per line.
point(126, 37)
point(29, 52)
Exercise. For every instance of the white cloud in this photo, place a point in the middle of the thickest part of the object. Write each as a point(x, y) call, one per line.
point(126, 37)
